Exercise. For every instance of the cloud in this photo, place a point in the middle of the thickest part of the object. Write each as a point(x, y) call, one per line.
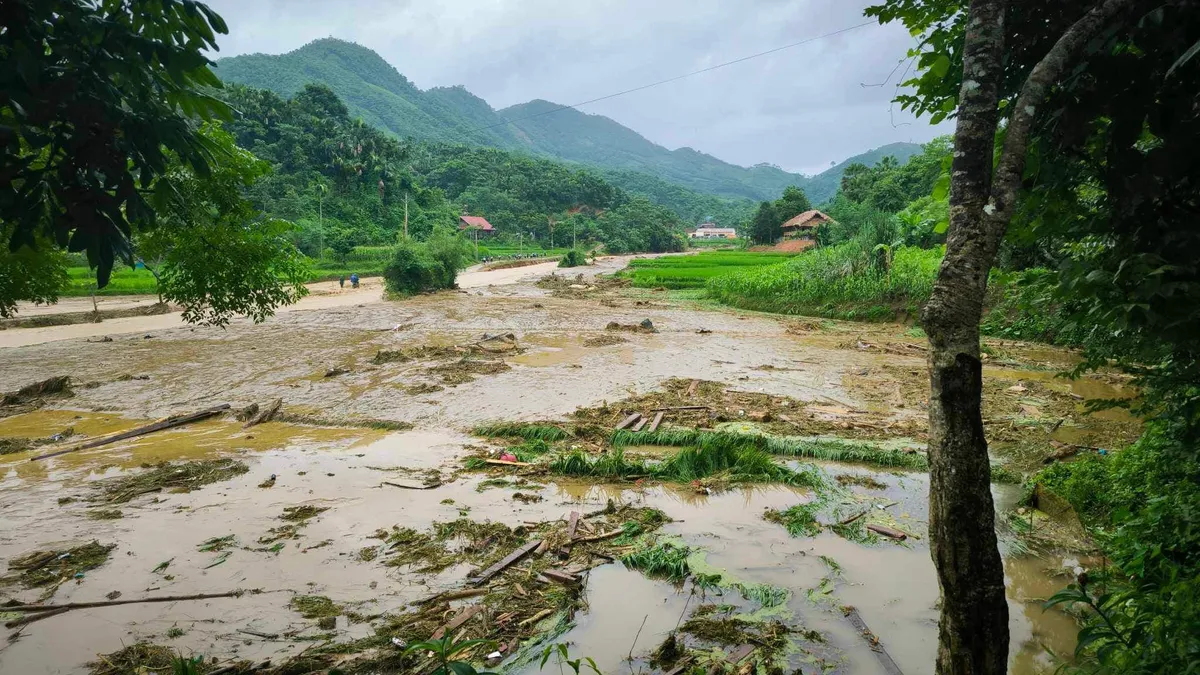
point(800, 108)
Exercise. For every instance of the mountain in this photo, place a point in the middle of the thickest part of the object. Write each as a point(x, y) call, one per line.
point(373, 89)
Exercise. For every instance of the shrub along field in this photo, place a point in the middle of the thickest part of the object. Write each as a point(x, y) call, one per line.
point(694, 271)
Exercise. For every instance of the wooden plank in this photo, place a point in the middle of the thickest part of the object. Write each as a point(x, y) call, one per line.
point(885, 659)
point(658, 417)
point(508, 561)
point(738, 655)
point(453, 595)
point(691, 390)
point(629, 420)
point(561, 577)
point(641, 423)
point(537, 617)
point(462, 617)
point(165, 423)
point(572, 524)
point(502, 462)
point(887, 531)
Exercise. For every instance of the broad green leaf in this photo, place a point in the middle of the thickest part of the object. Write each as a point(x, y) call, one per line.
point(940, 66)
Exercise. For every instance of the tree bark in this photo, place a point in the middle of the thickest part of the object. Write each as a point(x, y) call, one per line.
point(973, 630)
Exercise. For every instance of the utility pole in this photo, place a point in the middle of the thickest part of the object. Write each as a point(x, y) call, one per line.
point(574, 245)
point(406, 214)
point(520, 243)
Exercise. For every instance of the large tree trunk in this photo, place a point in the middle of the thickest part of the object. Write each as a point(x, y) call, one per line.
point(973, 631)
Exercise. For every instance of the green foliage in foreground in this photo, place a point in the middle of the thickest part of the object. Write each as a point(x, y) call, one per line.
point(1142, 504)
point(666, 560)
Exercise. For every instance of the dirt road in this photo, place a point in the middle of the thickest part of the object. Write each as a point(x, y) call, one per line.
point(347, 363)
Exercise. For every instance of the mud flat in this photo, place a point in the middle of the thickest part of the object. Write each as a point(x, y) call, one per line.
point(422, 443)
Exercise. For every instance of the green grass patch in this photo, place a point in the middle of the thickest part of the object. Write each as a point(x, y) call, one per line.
point(829, 450)
point(530, 432)
point(836, 282)
point(799, 520)
point(665, 560)
point(694, 271)
point(742, 465)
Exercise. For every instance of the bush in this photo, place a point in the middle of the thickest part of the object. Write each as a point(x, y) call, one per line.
point(413, 270)
point(451, 252)
point(573, 258)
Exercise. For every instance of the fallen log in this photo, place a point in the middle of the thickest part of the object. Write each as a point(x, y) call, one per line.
point(629, 420)
point(658, 417)
point(509, 560)
point(17, 623)
point(887, 531)
point(165, 423)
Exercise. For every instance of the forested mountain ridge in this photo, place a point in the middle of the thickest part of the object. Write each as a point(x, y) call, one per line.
point(374, 90)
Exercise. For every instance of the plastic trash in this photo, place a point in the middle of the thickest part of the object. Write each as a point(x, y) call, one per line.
point(507, 457)
point(399, 643)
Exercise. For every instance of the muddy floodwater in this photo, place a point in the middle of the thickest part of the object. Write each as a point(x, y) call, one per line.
point(381, 404)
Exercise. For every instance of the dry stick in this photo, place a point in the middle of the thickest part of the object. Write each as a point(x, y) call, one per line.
point(412, 487)
point(636, 636)
point(131, 601)
point(887, 531)
point(598, 537)
point(166, 423)
point(680, 407)
point(34, 617)
point(853, 518)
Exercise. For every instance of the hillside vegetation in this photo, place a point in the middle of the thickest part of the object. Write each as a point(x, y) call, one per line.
point(377, 92)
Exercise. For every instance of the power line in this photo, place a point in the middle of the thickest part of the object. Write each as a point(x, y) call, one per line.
point(677, 77)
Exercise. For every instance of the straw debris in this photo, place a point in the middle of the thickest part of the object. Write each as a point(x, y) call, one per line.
point(181, 477)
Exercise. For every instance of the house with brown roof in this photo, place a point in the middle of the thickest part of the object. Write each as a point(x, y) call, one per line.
point(804, 226)
point(478, 223)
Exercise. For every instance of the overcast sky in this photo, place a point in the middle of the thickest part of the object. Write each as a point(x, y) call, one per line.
point(801, 108)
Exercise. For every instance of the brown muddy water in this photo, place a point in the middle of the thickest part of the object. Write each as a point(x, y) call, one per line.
point(344, 469)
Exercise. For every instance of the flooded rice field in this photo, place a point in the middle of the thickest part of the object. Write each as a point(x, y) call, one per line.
point(744, 520)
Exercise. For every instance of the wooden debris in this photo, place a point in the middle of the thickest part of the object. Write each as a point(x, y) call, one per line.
point(658, 417)
point(266, 414)
point(537, 617)
point(629, 421)
point(508, 561)
point(681, 407)
point(462, 617)
point(597, 537)
point(453, 595)
point(691, 390)
point(255, 633)
point(66, 607)
point(853, 518)
point(412, 485)
point(503, 462)
point(885, 659)
point(641, 423)
point(520, 590)
point(887, 531)
point(165, 423)
point(558, 576)
point(736, 656)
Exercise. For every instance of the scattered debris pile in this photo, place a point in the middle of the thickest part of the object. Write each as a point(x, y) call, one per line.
point(50, 569)
point(33, 396)
point(458, 363)
point(579, 288)
point(603, 340)
point(645, 326)
point(10, 445)
point(181, 477)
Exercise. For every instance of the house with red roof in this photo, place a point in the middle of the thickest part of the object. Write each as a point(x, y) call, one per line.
point(478, 223)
